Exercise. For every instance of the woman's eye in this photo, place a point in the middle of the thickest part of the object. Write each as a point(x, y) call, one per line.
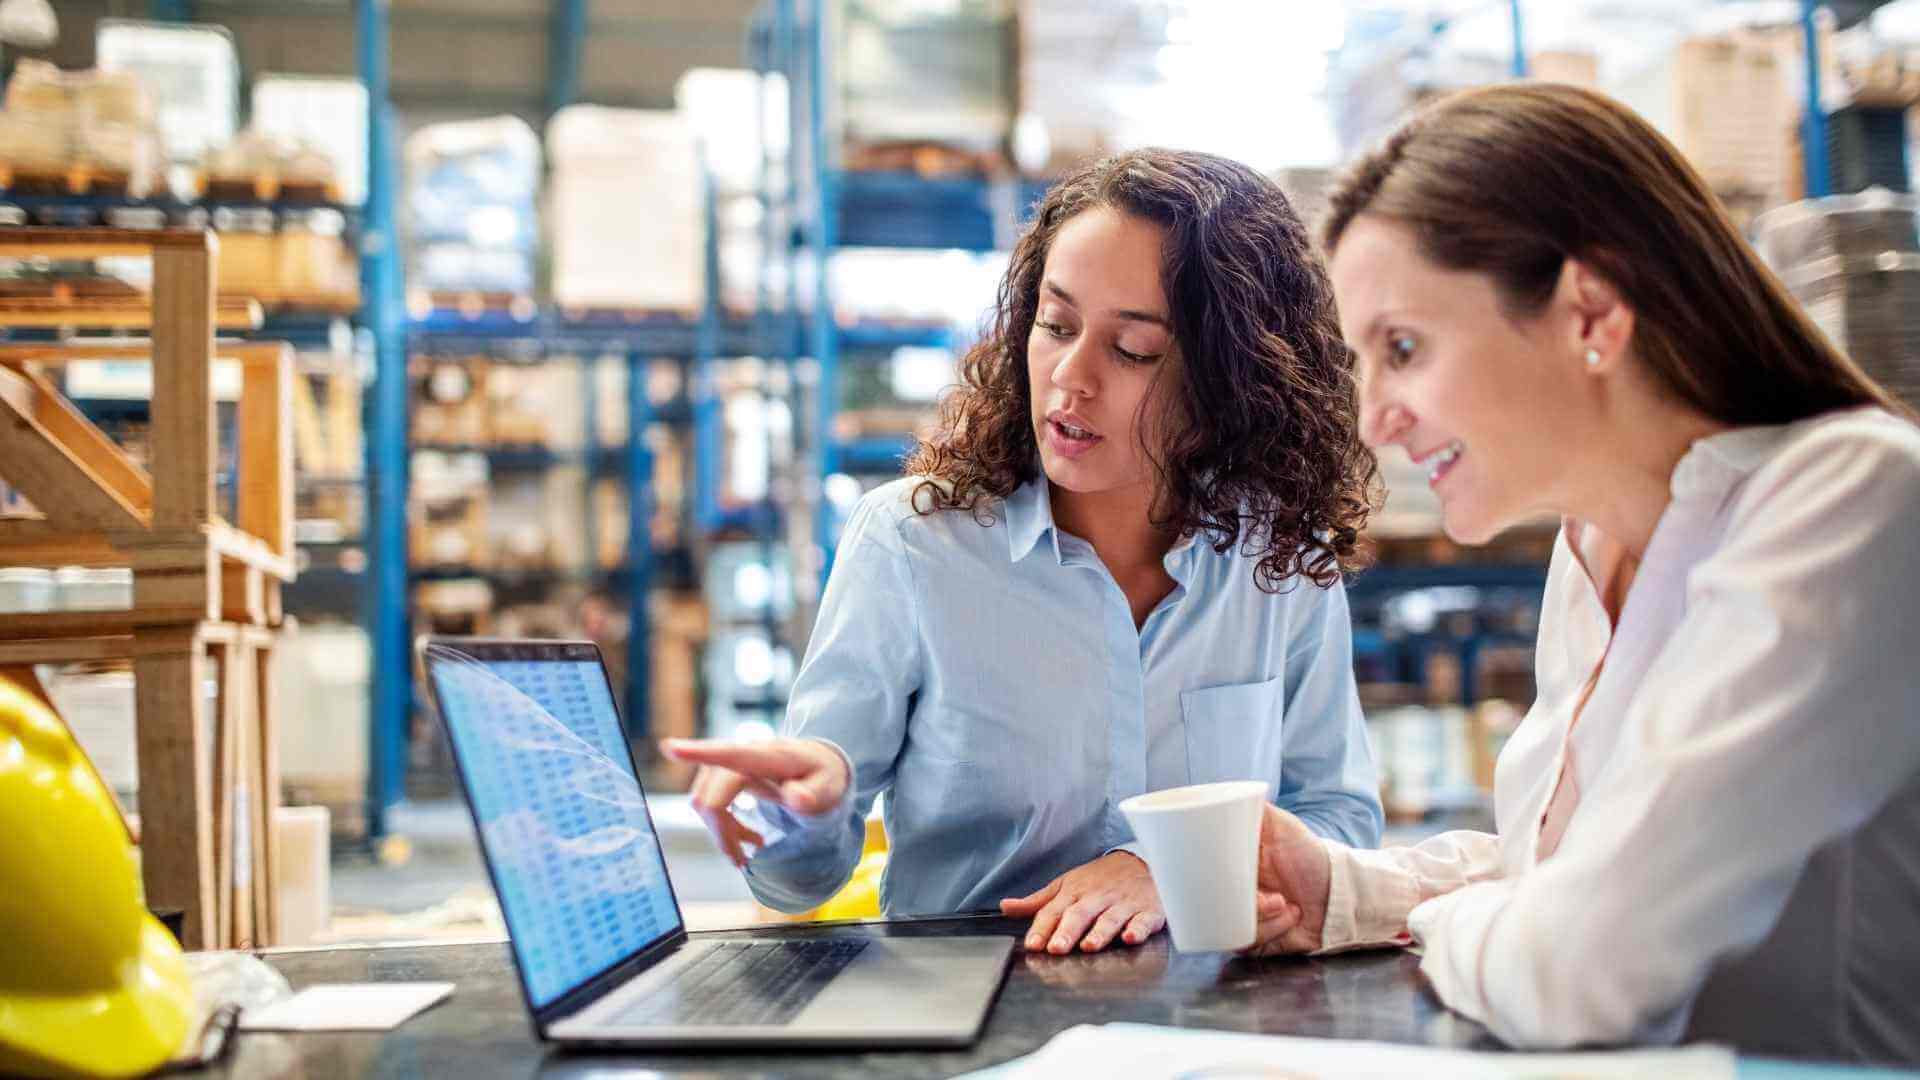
point(1400, 348)
point(1054, 329)
point(1134, 358)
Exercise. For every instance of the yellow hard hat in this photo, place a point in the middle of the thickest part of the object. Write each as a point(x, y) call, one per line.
point(90, 983)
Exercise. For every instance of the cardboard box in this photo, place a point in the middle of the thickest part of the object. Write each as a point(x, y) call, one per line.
point(679, 631)
point(303, 872)
point(625, 209)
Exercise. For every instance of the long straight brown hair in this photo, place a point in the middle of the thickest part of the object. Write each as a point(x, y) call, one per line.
point(1512, 180)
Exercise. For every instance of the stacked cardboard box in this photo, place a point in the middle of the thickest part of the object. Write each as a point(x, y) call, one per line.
point(99, 122)
point(449, 400)
point(1854, 262)
point(679, 630)
point(448, 518)
point(1733, 113)
point(1732, 103)
point(626, 212)
point(1084, 65)
point(668, 495)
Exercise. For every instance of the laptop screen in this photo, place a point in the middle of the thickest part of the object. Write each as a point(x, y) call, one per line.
point(562, 819)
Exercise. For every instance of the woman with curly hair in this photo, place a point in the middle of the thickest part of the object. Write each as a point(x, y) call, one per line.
point(1115, 568)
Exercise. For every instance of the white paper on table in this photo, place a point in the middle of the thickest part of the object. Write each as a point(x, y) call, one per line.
point(1142, 1051)
point(346, 1007)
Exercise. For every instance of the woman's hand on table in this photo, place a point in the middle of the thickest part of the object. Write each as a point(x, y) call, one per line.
point(806, 776)
point(1290, 901)
point(1090, 907)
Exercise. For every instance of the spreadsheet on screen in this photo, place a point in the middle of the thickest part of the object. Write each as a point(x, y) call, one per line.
point(578, 867)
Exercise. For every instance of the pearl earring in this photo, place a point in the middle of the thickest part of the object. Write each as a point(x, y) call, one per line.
point(1593, 358)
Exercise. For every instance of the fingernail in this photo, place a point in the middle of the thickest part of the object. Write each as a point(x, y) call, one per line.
point(1059, 945)
point(1033, 942)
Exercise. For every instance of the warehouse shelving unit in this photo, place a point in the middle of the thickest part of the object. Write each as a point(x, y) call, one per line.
point(833, 208)
point(694, 343)
point(837, 208)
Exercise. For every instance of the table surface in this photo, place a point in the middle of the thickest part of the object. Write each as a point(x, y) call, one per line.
point(484, 1031)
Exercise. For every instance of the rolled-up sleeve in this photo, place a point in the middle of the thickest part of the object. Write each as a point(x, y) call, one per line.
point(1327, 777)
point(854, 691)
point(1780, 716)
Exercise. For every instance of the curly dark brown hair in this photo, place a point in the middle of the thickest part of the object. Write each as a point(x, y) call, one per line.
point(1263, 446)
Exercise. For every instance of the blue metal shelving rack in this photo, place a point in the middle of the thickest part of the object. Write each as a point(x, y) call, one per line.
point(385, 585)
point(696, 343)
point(839, 208)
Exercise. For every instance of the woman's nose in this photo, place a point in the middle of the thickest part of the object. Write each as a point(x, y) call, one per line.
point(1075, 372)
point(1382, 421)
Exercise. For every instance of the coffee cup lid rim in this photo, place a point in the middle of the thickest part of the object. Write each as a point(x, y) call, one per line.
point(1206, 795)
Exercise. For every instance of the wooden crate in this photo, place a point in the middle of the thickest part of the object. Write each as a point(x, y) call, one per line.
point(206, 590)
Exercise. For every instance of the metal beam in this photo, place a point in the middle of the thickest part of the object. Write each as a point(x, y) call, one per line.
point(566, 37)
point(385, 601)
point(821, 234)
point(170, 10)
point(639, 553)
point(1813, 124)
point(1519, 41)
point(666, 31)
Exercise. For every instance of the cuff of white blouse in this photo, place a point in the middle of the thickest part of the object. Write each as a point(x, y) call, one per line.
point(1453, 966)
point(1367, 901)
point(835, 814)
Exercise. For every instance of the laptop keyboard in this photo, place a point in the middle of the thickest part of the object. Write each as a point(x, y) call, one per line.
point(743, 984)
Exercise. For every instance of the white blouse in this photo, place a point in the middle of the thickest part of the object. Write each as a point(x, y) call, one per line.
point(1741, 861)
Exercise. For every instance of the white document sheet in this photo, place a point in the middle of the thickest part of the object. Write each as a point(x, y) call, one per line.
point(346, 1007)
point(1146, 1052)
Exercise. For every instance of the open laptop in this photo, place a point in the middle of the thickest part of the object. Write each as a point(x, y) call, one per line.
point(603, 953)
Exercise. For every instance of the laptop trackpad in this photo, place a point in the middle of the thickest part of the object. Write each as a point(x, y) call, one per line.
point(905, 987)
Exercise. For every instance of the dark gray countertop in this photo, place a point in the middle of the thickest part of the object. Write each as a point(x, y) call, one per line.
point(483, 1030)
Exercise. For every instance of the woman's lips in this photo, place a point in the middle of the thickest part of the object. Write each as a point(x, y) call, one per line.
point(1063, 440)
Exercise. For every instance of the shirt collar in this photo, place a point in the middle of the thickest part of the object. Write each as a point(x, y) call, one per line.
point(1713, 465)
point(1029, 517)
point(1029, 514)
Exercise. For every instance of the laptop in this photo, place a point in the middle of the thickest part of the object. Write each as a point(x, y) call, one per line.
point(603, 953)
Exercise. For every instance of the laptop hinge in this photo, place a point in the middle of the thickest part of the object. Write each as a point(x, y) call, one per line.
point(591, 991)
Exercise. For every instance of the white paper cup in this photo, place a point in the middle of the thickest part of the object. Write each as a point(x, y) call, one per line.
point(1202, 844)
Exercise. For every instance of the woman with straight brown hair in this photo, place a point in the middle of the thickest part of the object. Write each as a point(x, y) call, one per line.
point(1709, 822)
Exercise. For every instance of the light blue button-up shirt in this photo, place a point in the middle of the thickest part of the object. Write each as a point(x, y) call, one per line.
point(989, 678)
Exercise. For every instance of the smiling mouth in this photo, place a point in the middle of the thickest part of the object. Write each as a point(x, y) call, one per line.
point(1441, 461)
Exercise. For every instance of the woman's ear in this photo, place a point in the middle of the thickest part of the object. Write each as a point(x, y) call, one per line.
point(1600, 323)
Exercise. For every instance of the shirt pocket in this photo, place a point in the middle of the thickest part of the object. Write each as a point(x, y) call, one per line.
point(1233, 732)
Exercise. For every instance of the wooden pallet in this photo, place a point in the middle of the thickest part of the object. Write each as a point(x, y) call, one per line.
point(270, 188)
point(628, 316)
point(472, 305)
point(925, 158)
point(74, 179)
